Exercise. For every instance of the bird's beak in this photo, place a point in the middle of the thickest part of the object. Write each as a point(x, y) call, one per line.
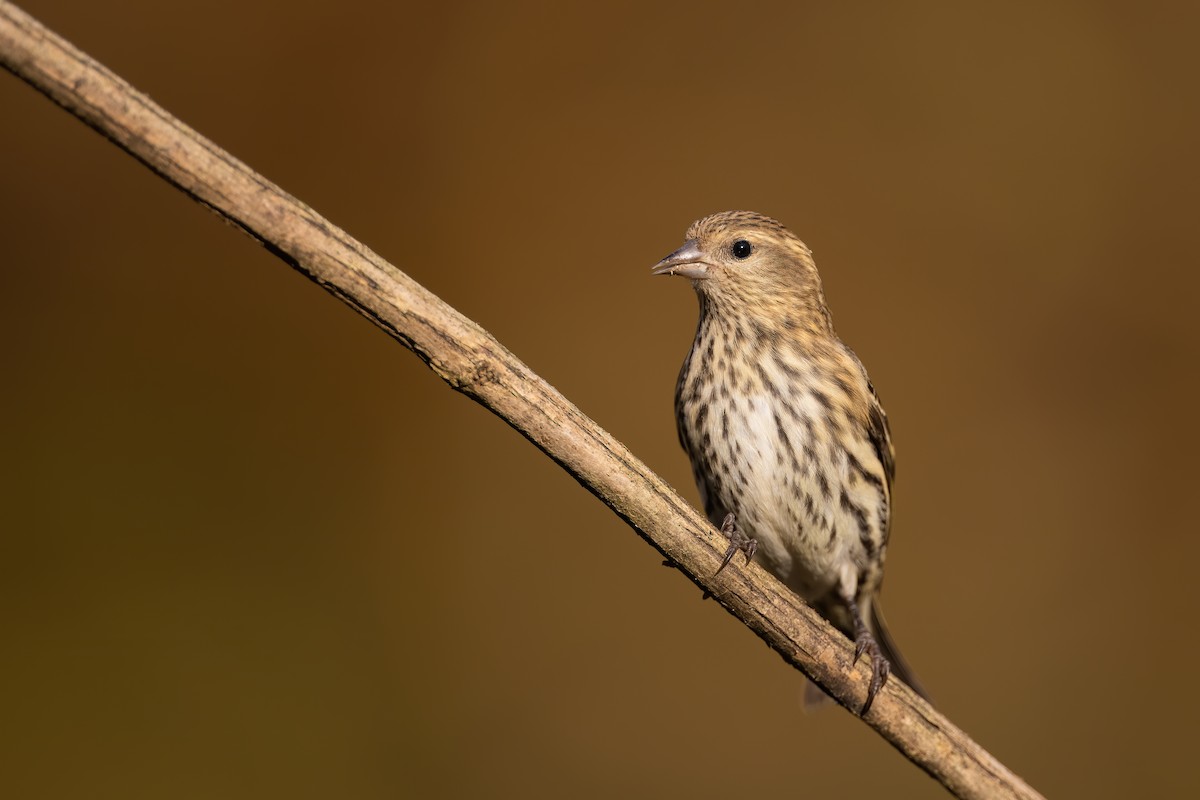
point(687, 261)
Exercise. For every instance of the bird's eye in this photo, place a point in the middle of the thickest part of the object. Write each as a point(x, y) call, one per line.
point(741, 249)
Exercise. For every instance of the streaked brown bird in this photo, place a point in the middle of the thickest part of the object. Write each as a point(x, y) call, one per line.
point(788, 442)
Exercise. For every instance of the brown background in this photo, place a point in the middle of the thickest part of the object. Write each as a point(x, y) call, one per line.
point(252, 548)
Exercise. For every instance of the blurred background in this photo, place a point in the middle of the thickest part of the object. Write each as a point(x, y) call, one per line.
point(253, 548)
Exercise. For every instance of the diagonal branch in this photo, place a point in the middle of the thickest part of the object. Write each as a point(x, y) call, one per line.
point(472, 362)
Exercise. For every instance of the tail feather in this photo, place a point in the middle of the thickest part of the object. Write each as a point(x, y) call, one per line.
point(815, 697)
point(900, 667)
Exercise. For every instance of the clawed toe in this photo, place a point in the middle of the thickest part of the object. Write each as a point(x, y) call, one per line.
point(738, 541)
point(880, 669)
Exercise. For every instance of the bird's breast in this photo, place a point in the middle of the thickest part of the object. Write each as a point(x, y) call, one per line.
point(771, 442)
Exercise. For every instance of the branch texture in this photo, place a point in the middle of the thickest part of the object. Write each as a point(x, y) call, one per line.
point(472, 362)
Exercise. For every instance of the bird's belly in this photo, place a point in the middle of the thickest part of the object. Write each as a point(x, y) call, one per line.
point(777, 497)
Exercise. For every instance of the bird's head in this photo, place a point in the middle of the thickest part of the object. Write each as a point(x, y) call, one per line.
point(746, 260)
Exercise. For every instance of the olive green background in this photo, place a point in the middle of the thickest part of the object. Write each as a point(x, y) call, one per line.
point(253, 548)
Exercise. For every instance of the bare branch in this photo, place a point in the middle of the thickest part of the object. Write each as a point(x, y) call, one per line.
point(472, 362)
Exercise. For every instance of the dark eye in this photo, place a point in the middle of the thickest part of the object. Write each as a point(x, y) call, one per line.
point(741, 249)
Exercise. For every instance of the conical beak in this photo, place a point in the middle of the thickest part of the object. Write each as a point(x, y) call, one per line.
point(687, 261)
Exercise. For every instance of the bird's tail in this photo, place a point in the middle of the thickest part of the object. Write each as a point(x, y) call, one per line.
point(815, 697)
point(900, 667)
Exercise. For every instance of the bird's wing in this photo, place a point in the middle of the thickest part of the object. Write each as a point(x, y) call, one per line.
point(881, 437)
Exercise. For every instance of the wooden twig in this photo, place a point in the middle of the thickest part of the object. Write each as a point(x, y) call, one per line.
point(474, 363)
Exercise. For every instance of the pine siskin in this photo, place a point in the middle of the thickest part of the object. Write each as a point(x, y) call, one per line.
point(788, 442)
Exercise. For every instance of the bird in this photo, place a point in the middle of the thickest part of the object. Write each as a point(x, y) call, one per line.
point(789, 445)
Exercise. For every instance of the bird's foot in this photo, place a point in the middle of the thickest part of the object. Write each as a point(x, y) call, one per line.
point(738, 541)
point(864, 642)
